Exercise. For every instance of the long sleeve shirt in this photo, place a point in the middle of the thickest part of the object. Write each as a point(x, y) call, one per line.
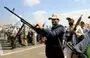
point(53, 34)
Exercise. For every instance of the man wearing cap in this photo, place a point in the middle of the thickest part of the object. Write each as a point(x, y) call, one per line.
point(69, 38)
point(54, 38)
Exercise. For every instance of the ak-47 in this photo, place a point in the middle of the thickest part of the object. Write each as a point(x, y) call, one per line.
point(23, 21)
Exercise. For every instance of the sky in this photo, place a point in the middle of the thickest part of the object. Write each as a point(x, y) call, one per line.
point(38, 11)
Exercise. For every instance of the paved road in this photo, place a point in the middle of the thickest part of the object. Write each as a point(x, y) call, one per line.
point(32, 51)
point(37, 51)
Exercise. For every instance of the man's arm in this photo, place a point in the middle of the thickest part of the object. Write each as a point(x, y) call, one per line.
point(53, 33)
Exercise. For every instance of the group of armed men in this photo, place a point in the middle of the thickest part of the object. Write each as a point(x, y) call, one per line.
point(64, 42)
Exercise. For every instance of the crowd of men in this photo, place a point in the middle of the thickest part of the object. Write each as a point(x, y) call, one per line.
point(60, 41)
point(26, 37)
point(66, 42)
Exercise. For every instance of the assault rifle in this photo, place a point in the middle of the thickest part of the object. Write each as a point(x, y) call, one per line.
point(23, 21)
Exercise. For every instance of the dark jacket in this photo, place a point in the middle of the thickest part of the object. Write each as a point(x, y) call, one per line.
point(53, 47)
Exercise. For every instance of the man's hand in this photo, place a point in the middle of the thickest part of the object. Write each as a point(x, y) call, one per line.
point(39, 26)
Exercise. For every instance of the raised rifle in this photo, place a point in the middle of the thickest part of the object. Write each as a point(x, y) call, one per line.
point(23, 21)
point(77, 23)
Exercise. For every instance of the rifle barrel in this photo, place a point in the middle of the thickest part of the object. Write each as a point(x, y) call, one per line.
point(22, 20)
point(12, 12)
point(77, 22)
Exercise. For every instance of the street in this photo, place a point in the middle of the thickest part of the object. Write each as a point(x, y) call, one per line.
point(37, 51)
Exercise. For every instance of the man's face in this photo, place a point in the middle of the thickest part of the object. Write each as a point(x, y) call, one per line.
point(82, 25)
point(70, 22)
point(55, 21)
